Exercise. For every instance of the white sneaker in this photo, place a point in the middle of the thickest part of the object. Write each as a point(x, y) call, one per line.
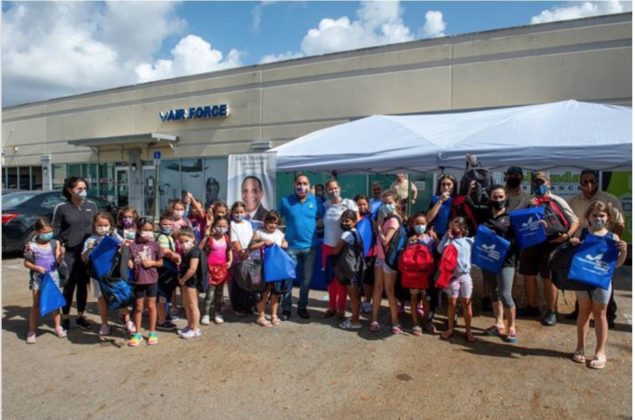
point(104, 329)
point(205, 320)
point(218, 319)
point(189, 334)
point(182, 331)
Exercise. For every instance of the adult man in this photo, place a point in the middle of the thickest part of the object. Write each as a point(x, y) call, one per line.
point(252, 193)
point(517, 197)
point(212, 188)
point(300, 211)
point(560, 225)
point(400, 188)
point(589, 192)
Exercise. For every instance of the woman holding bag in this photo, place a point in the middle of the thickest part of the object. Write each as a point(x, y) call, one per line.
point(500, 284)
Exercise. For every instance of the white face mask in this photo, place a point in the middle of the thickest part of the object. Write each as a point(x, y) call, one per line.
point(102, 230)
point(179, 213)
point(220, 230)
point(187, 245)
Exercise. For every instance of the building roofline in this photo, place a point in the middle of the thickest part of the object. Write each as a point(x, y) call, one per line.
point(450, 39)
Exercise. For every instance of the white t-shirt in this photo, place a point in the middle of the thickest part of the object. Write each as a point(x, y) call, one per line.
point(276, 237)
point(241, 232)
point(332, 214)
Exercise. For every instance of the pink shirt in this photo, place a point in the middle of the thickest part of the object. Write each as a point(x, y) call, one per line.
point(392, 223)
point(218, 251)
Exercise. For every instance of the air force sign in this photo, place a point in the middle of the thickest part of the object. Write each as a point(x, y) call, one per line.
point(195, 113)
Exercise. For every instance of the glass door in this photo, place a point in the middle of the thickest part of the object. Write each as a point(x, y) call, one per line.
point(121, 185)
point(149, 189)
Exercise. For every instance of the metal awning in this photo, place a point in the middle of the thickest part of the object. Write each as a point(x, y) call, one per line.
point(145, 138)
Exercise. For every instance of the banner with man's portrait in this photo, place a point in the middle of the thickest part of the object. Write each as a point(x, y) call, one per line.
point(251, 178)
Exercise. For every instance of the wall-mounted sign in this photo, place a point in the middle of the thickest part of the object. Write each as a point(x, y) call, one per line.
point(195, 113)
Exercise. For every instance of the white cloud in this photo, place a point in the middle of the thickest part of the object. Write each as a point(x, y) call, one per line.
point(256, 13)
point(191, 55)
point(377, 23)
point(579, 10)
point(289, 55)
point(434, 26)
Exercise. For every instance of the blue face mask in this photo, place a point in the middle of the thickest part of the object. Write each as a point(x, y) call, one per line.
point(387, 209)
point(166, 230)
point(81, 195)
point(239, 217)
point(419, 229)
point(45, 236)
point(540, 190)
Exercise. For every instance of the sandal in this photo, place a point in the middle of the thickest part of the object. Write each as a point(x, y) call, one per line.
point(447, 334)
point(416, 330)
point(374, 326)
point(511, 337)
point(598, 362)
point(396, 329)
point(578, 356)
point(263, 322)
point(495, 331)
point(469, 337)
point(329, 313)
point(275, 320)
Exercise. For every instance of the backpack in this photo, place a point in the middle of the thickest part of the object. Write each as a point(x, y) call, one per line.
point(474, 171)
point(397, 244)
point(416, 265)
point(248, 275)
point(116, 286)
point(202, 272)
point(169, 272)
point(62, 267)
point(350, 262)
point(554, 216)
point(447, 265)
point(559, 264)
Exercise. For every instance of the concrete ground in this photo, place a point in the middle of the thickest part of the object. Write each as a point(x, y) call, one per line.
point(309, 369)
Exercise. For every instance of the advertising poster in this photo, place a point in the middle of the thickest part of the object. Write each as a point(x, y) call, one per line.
point(251, 178)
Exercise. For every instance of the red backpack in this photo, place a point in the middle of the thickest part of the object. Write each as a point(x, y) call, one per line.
point(416, 265)
point(447, 265)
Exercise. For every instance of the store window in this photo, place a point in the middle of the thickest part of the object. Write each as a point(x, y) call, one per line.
point(59, 176)
point(24, 177)
point(169, 181)
point(107, 181)
point(36, 177)
point(12, 178)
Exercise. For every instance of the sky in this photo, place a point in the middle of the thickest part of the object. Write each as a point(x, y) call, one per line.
point(56, 49)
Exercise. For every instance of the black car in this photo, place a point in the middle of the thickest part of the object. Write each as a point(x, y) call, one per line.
point(21, 209)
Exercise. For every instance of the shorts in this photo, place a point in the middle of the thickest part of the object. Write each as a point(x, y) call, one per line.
point(96, 288)
point(355, 281)
point(417, 292)
point(145, 290)
point(535, 260)
point(380, 263)
point(36, 280)
point(597, 295)
point(460, 286)
point(191, 283)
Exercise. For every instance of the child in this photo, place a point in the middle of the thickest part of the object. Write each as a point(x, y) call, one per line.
point(461, 282)
point(418, 225)
point(351, 243)
point(145, 258)
point(368, 281)
point(219, 259)
point(220, 209)
point(167, 282)
point(598, 215)
point(126, 223)
point(102, 227)
point(195, 214)
point(177, 209)
point(43, 257)
point(268, 235)
point(240, 236)
point(192, 257)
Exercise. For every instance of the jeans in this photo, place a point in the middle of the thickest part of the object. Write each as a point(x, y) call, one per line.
point(305, 260)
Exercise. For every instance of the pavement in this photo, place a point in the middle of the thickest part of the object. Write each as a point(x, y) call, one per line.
point(310, 369)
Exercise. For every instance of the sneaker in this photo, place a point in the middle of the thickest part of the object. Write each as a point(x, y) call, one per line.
point(550, 319)
point(528, 311)
point(348, 325)
point(60, 332)
point(130, 328)
point(286, 315)
point(396, 329)
point(218, 319)
point(205, 320)
point(30, 338)
point(135, 340)
point(166, 326)
point(82, 323)
point(303, 313)
point(153, 339)
point(182, 331)
point(366, 308)
point(189, 334)
point(104, 329)
point(66, 324)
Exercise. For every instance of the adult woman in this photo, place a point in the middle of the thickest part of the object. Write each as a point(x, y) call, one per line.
point(441, 205)
point(500, 285)
point(72, 224)
point(334, 206)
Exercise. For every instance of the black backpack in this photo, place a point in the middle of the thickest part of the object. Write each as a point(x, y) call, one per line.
point(350, 261)
point(474, 171)
point(559, 264)
point(202, 275)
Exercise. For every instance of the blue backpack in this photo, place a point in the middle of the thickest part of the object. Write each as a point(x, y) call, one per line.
point(116, 285)
point(396, 245)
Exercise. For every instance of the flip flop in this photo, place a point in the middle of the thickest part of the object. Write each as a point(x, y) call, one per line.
point(598, 362)
point(263, 322)
point(578, 356)
point(494, 331)
point(469, 337)
point(447, 334)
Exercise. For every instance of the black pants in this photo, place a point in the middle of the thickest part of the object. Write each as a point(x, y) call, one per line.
point(77, 279)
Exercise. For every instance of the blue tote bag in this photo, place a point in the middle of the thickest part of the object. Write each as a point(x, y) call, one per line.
point(489, 250)
point(50, 296)
point(102, 256)
point(278, 265)
point(440, 222)
point(365, 229)
point(594, 262)
point(527, 227)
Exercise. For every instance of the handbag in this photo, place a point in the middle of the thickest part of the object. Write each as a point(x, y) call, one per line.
point(489, 250)
point(50, 296)
point(594, 262)
point(527, 227)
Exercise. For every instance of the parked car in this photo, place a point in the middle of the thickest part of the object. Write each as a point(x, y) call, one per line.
point(21, 209)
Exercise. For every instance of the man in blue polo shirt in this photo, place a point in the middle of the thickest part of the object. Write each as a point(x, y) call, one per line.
point(300, 212)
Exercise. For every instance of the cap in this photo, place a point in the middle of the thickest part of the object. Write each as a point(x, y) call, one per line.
point(539, 175)
point(514, 170)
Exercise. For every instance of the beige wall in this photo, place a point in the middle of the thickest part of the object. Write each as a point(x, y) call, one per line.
point(587, 59)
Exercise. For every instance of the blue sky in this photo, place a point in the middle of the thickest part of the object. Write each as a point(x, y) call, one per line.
point(54, 49)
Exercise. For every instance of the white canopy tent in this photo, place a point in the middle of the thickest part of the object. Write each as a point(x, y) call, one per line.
point(560, 134)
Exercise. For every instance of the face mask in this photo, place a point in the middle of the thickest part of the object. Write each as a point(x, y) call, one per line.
point(220, 230)
point(388, 209)
point(419, 229)
point(187, 246)
point(166, 230)
point(457, 233)
point(598, 223)
point(81, 195)
point(540, 190)
point(301, 189)
point(129, 235)
point(102, 230)
point(513, 182)
point(498, 205)
point(148, 236)
point(345, 227)
point(334, 196)
point(128, 221)
point(239, 217)
point(45, 236)
point(178, 214)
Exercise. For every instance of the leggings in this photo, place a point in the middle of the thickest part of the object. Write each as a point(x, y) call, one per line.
point(213, 299)
point(337, 292)
point(77, 277)
point(501, 286)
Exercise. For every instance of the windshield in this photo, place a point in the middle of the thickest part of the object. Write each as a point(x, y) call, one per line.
point(15, 199)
